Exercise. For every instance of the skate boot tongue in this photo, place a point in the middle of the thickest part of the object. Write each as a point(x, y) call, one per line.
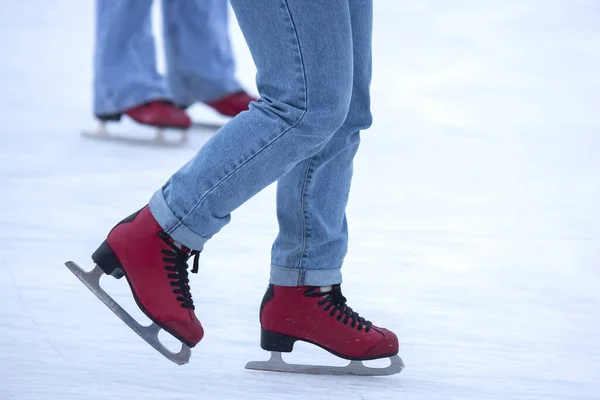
point(325, 289)
point(190, 253)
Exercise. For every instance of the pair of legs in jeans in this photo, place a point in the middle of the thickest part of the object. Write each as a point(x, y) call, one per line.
point(314, 71)
point(199, 58)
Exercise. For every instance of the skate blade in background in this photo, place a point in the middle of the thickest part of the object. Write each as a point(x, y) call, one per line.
point(159, 140)
point(148, 333)
point(160, 137)
point(207, 126)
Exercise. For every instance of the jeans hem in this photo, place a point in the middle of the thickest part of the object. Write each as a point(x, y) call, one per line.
point(283, 276)
point(172, 225)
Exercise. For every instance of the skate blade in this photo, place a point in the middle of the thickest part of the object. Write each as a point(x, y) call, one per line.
point(277, 364)
point(148, 333)
point(207, 126)
point(159, 139)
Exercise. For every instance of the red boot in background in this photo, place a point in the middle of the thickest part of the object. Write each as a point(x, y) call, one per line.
point(232, 104)
point(156, 270)
point(159, 113)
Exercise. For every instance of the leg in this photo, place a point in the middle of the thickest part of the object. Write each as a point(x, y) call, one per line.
point(125, 72)
point(312, 197)
point(303, 53)
point(304, 300)
point(200, 61)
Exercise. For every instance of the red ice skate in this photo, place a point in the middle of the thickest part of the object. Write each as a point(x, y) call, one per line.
point(229, 105)
point(232, 104)
point(320, 316)
point(156, 269)
point(160, 114)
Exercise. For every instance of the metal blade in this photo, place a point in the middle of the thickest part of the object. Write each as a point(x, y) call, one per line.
point(277, 364)
point(209, 126)
point(148, 333)
point(159, 139)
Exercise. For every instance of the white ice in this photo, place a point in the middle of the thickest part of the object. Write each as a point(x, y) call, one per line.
point(475, 223)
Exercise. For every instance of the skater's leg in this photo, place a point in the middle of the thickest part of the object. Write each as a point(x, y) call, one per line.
point(200, 61)
point(125, 73)
point(303, 53)
point(312, 198)
point(304, 300)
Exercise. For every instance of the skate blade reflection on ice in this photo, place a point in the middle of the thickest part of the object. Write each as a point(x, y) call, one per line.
point(148, 333)
point(277, 364)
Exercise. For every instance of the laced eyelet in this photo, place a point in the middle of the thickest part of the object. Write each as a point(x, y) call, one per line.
point(335, 303)
point(176, 265)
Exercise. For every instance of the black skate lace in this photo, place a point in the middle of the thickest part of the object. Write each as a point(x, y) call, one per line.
point(176, 260)
point(336, 304)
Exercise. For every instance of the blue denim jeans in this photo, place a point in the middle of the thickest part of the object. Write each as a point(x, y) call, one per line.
point(199, 57)
point(314, 71)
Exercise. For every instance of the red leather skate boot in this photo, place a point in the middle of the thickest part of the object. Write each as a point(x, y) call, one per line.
point(156, 270)
point(232, 104)
point(320, 316)
point(159, 113)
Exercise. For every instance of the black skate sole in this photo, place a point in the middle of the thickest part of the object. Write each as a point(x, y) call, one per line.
point(272, 341)
point(105, 258)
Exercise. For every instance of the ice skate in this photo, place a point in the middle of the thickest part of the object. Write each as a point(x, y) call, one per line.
point(156, 269)
point(320, 316)
point(207, 126)
point(232, 104)
point(229, 106)
point(162, 115)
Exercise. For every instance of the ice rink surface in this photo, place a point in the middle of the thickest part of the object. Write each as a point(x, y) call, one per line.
point(474, 216)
